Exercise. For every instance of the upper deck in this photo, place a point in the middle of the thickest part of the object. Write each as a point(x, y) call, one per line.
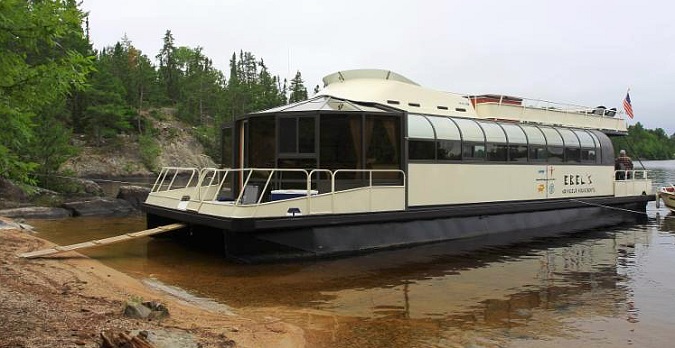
point(388, 88)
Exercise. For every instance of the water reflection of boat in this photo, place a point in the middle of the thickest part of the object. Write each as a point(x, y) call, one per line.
point(668, 223)
point(667, 196)
point(497, 286)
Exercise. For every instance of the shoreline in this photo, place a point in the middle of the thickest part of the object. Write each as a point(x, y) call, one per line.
point(69, 299)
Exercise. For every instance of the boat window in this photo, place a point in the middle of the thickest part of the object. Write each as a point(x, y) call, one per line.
point(553, 138)
point(470, 130)
point(588, 154)
point(297, 135)
point(261, 142)
point(538, 153)
point(495, 148)
point(518, 153)
point(572, 147)
point(496, 152)
point(493, 132)
point(514, 134)
point(382, 136)
point(306, 135)
point(340, 141)
point(419, 127)
point(555, 154)
point(585, 138)
point(572, 154)
point(421, 150)
point(569, 137)
point(534, 135)
point(445, 128)
point(598, 147)
point(449, 150)
point(288, 135)
point(472, 151)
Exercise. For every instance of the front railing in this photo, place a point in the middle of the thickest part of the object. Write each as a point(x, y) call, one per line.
point(631, 183)
point(540, 111)
point(630, 174)
point(319, 190)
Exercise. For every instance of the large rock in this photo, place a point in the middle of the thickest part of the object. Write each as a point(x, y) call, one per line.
point(12, 192)
point(135, 195)
point(136, 310)
point(36, 213)
point(9, 224)
point(146, 310)
point(99, 206)
point(90, 187)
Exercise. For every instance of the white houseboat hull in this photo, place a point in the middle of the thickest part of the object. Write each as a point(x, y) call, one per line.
point(375, 161)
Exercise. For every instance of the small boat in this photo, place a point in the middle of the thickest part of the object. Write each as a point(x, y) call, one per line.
point(667, 195)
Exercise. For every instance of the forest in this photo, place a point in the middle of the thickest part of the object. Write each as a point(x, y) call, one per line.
point(55, 86)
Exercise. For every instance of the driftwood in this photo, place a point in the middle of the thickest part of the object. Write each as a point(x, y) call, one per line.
point(124, 340)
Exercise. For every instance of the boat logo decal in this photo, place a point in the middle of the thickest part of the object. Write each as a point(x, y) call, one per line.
point(293, 211)
point(577, 183)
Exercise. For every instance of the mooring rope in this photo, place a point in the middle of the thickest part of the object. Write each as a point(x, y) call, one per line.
point(617, 208)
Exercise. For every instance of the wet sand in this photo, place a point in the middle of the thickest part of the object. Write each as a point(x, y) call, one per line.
point(69, 299)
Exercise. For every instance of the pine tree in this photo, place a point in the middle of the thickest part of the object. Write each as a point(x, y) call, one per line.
point(298, 89)
point(168, 69)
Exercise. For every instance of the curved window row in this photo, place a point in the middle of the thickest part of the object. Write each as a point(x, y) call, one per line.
point(433, 138)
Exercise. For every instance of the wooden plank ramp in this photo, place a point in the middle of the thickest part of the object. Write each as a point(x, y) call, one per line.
point(105, 241)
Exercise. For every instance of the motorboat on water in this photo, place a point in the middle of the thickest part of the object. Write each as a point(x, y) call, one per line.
point(667, 195)
point(375, 161)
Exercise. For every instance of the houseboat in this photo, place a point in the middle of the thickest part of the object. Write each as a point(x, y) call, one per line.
point(376, 161)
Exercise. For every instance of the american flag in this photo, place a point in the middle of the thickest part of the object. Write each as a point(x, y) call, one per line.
point(627, 105)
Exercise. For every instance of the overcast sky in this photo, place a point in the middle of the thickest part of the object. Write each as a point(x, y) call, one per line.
point(579, 52)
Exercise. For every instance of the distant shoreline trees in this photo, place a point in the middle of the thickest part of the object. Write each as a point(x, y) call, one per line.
point(647, 144)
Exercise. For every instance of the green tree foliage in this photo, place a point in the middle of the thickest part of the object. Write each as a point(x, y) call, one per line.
point(168, 68)
point(648, 144)
point(298, 89)
point(106, 114)
point(37, 67)
point(50, 146)
point(202, 86)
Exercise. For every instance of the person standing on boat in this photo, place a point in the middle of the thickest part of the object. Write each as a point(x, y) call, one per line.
point(623, 164)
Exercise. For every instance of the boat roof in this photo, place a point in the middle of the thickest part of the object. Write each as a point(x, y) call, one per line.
point(384, 87)
point(388, 88)
point(384, 91)
point(325, 103)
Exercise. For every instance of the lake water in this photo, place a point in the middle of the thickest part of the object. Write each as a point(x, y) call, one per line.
point(605, 287)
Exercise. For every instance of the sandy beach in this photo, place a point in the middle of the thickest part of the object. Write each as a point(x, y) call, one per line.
point(68, 300)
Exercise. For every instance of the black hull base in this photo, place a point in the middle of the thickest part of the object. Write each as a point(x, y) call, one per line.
point(345, 238)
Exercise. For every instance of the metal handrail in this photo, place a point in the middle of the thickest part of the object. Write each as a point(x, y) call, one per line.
point(161, 178)
point(207, 178)
point(631, 175)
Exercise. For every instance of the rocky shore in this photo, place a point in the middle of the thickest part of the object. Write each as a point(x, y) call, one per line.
point(70, 300)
